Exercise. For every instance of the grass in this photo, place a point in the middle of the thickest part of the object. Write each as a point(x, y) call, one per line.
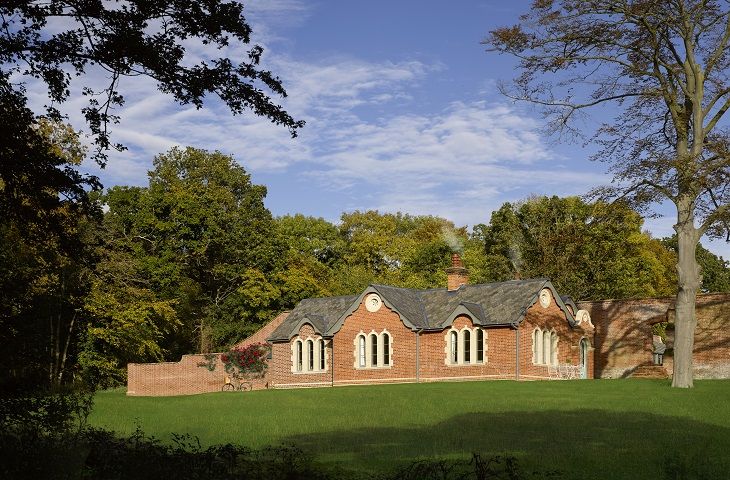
point(586, 429)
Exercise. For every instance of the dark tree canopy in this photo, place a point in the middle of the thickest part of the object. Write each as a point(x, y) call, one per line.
point(35, 177)
point(56, 40)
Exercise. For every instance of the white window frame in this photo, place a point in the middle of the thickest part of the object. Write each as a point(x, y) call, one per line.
point(545, 344)
point(322, 357)
point(298, 356)
point(306, 349)
point(373, 346)
point(455, 350)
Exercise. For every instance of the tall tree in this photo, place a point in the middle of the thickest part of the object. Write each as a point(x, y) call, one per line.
point(314, 250)
point(54, 41)
point(590, 251)
point(664, 65)
point(45, 255)
point(397, 249)
point(203, 238)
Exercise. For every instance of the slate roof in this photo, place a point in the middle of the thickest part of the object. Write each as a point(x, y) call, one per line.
point(491, 304)
point(321, 313)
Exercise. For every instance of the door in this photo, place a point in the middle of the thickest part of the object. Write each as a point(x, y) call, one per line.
point(583, 358)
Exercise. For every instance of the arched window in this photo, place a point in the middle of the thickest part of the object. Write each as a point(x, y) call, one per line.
point(546, 353)
point(536, 346)
point(373, 350)
point(310, 355)
point(361, 350)
point(454, 347)
point(298, 354)
point(554, 348)
point(467, 346)
point(322, 353)
point(480, 345)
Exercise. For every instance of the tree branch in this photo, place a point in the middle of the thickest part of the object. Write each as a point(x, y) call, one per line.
point(716, 118)
point(716, 215)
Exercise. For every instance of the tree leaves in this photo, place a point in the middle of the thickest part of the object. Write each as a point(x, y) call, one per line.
point(56, 40)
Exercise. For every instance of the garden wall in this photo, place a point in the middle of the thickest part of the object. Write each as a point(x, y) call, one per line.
point(186, 377)
point(623, 334)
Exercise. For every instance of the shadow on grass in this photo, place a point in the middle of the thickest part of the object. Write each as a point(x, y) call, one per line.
point(580, 444)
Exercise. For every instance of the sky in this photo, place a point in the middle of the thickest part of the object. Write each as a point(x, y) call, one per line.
point(402, 113)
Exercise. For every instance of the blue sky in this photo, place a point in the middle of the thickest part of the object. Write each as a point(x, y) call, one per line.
point(402, 115)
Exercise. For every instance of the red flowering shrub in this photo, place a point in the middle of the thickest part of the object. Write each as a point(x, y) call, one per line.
point(241, 362)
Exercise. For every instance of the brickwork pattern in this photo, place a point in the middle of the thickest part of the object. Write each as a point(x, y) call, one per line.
point(173, 378)
point(280, 373)
point(623, 334)
point(402, 366)
point(186, 377)
point(499, 354)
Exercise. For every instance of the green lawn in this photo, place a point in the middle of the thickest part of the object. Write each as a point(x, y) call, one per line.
point(587, 429)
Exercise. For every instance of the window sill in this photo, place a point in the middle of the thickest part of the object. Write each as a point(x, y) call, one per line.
point(384, 367)
point(309, 372)
point(475, 364)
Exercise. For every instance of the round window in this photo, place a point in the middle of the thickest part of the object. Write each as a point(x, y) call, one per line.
point(545, 297)
point(373, 302)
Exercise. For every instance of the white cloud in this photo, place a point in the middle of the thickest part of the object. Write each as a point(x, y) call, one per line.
point(460, 162)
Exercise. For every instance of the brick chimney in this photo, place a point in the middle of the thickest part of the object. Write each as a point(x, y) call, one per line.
point(457, 274)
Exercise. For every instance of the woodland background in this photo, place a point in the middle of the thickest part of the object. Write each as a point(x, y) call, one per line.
point(194, 262)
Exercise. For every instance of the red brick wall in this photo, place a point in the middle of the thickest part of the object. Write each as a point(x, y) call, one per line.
point(186, 377)
point(403, 346)
point(552, 318)
point(499, 354)
point(173, 378)
point(623, 334)
point(711, 355)
point(281, 374)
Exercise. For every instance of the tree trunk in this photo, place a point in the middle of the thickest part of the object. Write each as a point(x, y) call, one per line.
point(689, 282)
point(64, 352)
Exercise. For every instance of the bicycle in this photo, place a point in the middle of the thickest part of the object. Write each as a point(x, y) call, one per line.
point(241, 385)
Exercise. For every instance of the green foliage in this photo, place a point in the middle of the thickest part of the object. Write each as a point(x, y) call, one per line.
point(200, 239)
point(42, 434)
point(660, 329)
point(589, 251)
point(143, 457)
point(57, 40)
point(398, 249)
point(45, 256)
point(241, 362)
point(477, 468)
point(715, 270)
point(127, 324)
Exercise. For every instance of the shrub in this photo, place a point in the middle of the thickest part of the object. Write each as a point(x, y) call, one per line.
point(241, 362)
point(43, 434)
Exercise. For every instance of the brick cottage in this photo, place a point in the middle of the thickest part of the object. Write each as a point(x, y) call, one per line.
point(520, 329)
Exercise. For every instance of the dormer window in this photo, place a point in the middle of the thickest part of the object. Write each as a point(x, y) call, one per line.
point(309, 355)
